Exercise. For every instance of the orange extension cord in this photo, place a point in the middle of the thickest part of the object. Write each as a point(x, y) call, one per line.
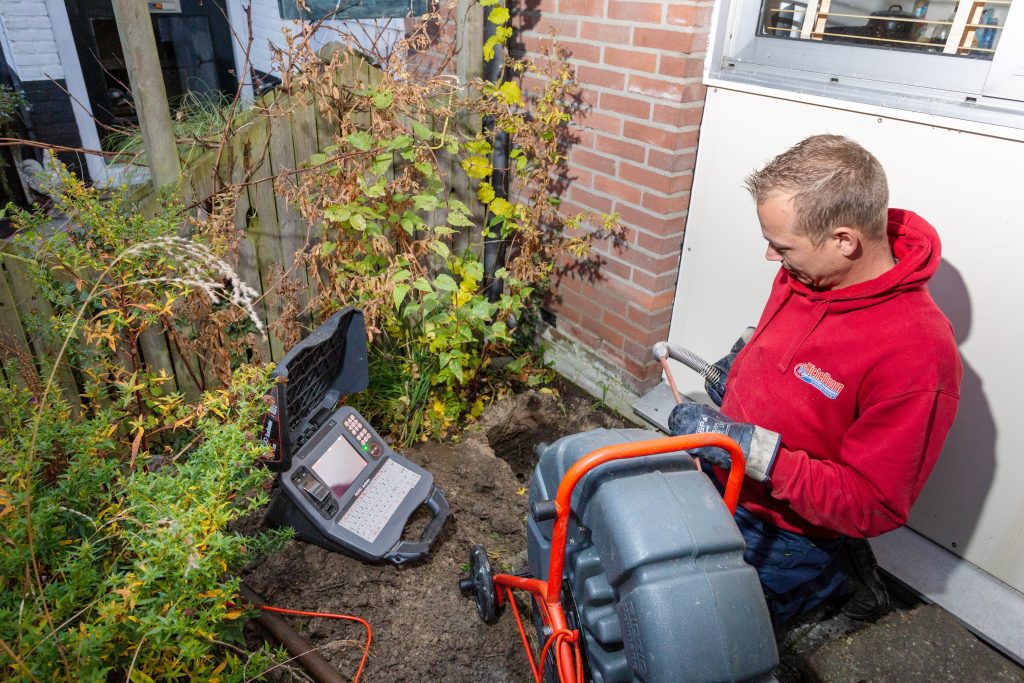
point(327, 615)
point(555, 639)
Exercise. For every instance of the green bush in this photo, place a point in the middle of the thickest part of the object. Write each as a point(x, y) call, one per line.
point(115, 569)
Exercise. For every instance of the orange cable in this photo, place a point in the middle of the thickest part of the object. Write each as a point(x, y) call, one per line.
point(522, 634)
point(328, 615)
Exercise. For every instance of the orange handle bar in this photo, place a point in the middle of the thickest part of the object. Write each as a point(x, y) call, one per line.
point(631, 450)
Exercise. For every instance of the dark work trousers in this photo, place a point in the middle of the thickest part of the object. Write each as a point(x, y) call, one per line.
point(797, 573)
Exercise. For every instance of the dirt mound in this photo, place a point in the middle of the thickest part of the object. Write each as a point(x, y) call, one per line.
point(423, 629)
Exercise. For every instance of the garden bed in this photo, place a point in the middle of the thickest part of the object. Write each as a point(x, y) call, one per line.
point(423, 629)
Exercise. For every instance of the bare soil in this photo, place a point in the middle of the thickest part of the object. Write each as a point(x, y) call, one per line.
point(423, 628)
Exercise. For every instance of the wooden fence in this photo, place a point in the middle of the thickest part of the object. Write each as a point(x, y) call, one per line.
point(261, 147)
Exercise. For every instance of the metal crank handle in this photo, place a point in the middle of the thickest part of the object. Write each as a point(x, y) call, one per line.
point(688, 358)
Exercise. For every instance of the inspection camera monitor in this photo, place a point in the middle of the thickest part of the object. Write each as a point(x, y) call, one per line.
point(341, 486)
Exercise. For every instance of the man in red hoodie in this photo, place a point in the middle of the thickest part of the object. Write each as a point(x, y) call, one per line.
point(847, 387)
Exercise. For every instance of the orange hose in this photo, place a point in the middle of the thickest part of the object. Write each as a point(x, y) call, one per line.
point(328, 615)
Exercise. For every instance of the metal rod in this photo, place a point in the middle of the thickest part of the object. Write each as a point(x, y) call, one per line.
point(319, 668)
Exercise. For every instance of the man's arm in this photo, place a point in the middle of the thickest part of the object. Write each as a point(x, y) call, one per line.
point(883, 463)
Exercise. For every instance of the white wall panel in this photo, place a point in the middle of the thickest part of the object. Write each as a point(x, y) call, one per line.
point(971, 187)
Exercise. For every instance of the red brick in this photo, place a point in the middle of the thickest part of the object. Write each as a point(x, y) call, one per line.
point(605, 33)
point(594, 162)
point(604, 123)
point(650, 319)
point(579, 333)
point(677, 115)
point(655, 283)
point(584, 138)
point(688, 15)
point(596, 290)
point(639, 296)
point(581, 52)
point(656, 244)
point(563, 28)
point(616, 323)
point(592, 76)
point(637, 349)
point(587, 8)
point(679, 203)
point(659, 137)
point(631, 59)
point(567, 208)
point(673, 162)
point(589, 200)
point(535, 44)
point(651, 180)
point(669, 90)
point(619, 190)
point(641, 12)
point(650, 226)
point(589, 96)
point(581, 305)
point(610, 339)
point(611, 266)
point(681, 67)
point(658, 264)
point(578, 176)
point(621, 148)
point(675, 42)
point(629, 106)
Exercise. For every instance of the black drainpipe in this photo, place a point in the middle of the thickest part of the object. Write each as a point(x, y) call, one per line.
point(494, 247)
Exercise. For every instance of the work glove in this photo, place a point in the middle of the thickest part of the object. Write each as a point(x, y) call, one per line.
point(759, 445)
point(716, 389)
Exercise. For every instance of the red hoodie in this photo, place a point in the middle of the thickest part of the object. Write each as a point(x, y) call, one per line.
point(862, 383)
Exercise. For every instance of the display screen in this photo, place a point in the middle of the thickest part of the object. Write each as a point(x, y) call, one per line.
point(339, 466)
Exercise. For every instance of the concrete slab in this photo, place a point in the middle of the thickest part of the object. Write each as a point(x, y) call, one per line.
point(924, 644)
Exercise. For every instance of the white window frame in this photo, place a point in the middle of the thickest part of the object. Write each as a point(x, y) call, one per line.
point(984, 91)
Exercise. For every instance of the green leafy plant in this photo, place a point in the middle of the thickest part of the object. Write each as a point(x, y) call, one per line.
point(121, 569)
point(118, 559)
point(399, 241)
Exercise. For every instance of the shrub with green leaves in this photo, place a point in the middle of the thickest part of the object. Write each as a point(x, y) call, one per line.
point(406, 238)
point(119, 570)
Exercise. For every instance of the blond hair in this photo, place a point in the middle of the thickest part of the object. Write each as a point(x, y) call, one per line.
point(833, 182)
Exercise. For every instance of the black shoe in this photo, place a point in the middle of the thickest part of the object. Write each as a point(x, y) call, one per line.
point(868, 598)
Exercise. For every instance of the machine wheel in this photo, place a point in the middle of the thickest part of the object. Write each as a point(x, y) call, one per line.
point(480, 584)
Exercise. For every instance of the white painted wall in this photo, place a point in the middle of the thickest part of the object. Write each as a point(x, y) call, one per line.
point(30, 37)
point(971, 187)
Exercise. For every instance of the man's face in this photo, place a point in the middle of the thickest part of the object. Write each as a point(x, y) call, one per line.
point(820, 266)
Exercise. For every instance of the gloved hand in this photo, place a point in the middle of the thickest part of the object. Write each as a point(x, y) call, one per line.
point(759, 445)
point(716, 390)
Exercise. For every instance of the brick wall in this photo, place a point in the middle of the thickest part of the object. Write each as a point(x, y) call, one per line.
point(640, 65)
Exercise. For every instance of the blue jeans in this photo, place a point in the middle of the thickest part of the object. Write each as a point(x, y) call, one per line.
point(797, 573)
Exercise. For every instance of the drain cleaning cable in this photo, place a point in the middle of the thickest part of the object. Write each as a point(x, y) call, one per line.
point(314, 663)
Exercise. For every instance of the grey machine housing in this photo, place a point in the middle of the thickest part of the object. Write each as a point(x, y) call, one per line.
point(654, 568)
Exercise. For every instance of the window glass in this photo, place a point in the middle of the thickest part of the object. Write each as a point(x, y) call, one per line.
point(966, 29)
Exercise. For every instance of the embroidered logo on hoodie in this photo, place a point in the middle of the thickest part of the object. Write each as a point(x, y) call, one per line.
point(819, 379)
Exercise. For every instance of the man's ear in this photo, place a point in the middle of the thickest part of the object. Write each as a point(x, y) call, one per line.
point(847, 240)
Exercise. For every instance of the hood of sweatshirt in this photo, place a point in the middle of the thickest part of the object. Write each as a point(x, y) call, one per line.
point(917, 249)
point(915, 245)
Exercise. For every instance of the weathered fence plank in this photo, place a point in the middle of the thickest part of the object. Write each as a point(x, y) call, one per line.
point(13, 341)
point(31, 304)
point(271, 143)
